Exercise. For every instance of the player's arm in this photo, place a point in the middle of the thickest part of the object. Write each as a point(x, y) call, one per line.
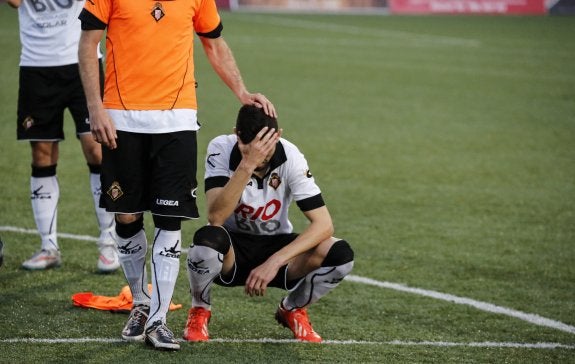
point(319, 229)
point(222, 201)
point(224, 64)
point(101, 125)
point(14, 3)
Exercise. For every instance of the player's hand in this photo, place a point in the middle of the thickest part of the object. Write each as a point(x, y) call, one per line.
point(260, 101)
point(259, 278)
point(256, 152)
point(103, 129)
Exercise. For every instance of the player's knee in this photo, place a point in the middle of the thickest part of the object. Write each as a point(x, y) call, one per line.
point(214, 237)
point(169, 223)
point(340, 253)
point(126, 230)
point(92, 150)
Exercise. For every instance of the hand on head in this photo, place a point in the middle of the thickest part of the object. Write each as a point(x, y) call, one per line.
point(262, 102)
point(259, 151)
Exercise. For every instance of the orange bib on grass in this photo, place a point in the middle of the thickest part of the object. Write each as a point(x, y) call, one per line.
point(121, 302)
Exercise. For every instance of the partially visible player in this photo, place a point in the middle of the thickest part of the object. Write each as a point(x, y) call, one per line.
point(49, 84)
point(251, 178)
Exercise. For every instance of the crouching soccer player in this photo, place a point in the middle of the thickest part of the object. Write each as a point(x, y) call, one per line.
point(251, 178)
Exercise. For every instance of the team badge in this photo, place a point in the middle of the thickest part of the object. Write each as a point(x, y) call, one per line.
point(275, 181)
point(28, 122)
point(115, 191)
point(157, 12)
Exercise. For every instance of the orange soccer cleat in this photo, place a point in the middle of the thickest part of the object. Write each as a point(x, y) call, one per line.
point(197, 325)
point(298, 322)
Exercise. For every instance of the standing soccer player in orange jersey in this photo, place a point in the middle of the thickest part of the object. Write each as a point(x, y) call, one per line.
point(147, 125)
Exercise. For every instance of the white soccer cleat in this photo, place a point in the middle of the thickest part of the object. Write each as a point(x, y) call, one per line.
point(108, 261)
point(43, 259)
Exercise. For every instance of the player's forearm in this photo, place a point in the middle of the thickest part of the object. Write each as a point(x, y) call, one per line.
point(90, 70)
point(320, 229)
point(224, 64)
point(224, 203)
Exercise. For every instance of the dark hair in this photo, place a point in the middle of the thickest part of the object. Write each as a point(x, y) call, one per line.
point(251, 119)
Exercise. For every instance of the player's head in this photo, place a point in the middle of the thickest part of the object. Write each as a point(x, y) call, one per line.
point(251, 119)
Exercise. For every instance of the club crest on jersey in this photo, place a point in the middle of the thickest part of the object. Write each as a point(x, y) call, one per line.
point(115, 191)
point(157, 12)
point(275, 181)
point(28, 122)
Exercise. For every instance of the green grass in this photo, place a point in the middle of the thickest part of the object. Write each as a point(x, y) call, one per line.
point(444, 147)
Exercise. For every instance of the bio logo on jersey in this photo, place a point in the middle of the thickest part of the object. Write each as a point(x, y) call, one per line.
point(41, 6)
point(246, 216)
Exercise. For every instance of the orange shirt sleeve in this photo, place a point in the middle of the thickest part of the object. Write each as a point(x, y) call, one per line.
point(207, 18)
point(99, 8)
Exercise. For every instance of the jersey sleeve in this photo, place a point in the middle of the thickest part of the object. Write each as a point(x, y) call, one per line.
point(94, 11)
point(207, 21)
point(305, 191)
point(217, 167)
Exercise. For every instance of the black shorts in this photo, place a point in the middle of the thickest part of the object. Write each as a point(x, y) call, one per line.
point(44, 94)
point(151, 172)
point(251, 251)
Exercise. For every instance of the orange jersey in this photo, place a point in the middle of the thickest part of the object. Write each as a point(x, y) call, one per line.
point(149, 51)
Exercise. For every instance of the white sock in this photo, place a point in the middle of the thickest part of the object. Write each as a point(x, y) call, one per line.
point(166, 252)
point(315, 285)
point(106, 222)
point(45, 193)
point(204, 264)
point(132, 254)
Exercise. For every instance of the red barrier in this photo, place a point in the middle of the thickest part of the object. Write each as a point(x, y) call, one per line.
point(223, 4)
point(531, 7)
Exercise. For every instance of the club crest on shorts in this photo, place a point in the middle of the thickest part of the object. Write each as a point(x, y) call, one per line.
point(275, 181)
point(157, 12)
point(28, 122)
point(115, 191)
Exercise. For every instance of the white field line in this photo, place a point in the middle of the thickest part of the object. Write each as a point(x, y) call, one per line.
point(15, 229)
point(483, 306)
point(485, 344)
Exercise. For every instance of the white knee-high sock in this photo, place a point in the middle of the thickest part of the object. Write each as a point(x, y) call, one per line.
point(315, 285)
point(45, 193)
point(132, 254)
point(204, 264)
point(165, 267)
point(105, 219)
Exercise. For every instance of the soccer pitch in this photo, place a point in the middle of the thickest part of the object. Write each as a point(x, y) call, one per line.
point(445, 150)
